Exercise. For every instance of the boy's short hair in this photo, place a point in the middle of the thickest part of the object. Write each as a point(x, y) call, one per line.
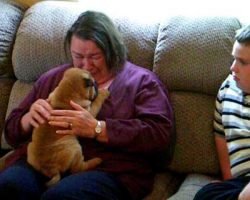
point(243, 35)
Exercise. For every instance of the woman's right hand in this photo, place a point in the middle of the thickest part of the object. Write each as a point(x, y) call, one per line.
point(38, 114)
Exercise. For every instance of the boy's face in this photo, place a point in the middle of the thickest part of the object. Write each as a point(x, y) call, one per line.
point(241, 66)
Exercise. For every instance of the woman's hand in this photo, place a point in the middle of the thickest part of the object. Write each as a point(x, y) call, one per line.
point(77, 121)
point(38, 114)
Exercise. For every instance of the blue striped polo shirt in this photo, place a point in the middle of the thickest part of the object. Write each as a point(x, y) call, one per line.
point(232, 121)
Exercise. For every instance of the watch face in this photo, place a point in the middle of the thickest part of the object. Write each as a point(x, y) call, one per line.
point(98, 128)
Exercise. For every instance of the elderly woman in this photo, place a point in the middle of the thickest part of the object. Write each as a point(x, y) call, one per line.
point(133, 126)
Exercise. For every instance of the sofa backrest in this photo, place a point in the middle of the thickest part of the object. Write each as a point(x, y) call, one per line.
point(192, 58)
point(40, 42)
point(11, 15)
point(190, 55)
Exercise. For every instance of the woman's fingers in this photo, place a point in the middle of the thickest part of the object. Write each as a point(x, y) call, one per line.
point(77, 121)
point(65, 132)
point(67, 127)
point(44, 108)
point(69, 113)
point(34, 123)
point(62, 124)
point(78, 107)
point(39, 112)
point(40, 108)
point(37, 118)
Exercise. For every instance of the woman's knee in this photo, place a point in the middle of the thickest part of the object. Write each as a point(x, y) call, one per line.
point(11, 188)
point(51, 194)
point(19, 180)
point(9, 179)
point(88, 185)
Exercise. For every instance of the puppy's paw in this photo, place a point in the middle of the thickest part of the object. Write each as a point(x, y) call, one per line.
point(104, 93)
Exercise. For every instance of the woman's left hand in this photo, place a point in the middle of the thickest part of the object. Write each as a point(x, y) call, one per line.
point(77, 121)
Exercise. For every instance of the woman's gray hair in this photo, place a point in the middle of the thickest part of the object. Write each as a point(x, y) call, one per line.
point(99, 28)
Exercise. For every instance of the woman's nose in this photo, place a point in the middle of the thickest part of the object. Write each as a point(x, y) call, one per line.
point(86, 63)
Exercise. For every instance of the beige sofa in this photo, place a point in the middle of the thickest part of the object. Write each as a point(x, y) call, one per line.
point(191, 55)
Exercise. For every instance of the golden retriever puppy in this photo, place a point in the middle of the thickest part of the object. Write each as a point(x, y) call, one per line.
point(51, 153)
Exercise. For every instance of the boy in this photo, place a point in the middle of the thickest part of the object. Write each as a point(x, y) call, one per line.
point(232, 127)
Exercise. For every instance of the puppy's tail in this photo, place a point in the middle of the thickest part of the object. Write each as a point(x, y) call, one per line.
point(55, 179)
point(85, 165)
point(90, 164)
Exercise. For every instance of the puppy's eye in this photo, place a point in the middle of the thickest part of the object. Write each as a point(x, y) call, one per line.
point(88, 82)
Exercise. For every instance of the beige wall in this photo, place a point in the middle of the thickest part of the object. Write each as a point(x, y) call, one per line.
point(31, 2)
point(27, 2)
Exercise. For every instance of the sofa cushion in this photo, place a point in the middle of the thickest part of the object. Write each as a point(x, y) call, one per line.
point(38, 46)
point(194, 54)
point(40, 40)
point(140, 40)
point(190, 186)
point(18, 92)
point(193, 57)
point(11, 15)
point(5, 85)
point(195, 147)
point(165, 185)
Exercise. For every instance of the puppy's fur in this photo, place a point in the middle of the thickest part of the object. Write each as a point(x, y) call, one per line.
point(53, 154)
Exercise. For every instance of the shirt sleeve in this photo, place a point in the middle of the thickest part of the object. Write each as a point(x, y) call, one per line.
point(150, 128)
point(218, 125)
point(41, 89)
point(13, 131)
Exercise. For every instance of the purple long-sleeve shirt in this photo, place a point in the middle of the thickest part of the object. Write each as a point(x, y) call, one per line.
point(139, 121)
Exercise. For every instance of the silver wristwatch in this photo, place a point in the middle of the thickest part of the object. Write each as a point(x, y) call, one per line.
point(98, 129)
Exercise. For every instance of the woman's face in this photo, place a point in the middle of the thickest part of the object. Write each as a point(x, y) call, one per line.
point(87, 55)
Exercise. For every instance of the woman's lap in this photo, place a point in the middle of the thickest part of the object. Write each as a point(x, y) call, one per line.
point(92, 185)
point(20, 181)
point(229, 189)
